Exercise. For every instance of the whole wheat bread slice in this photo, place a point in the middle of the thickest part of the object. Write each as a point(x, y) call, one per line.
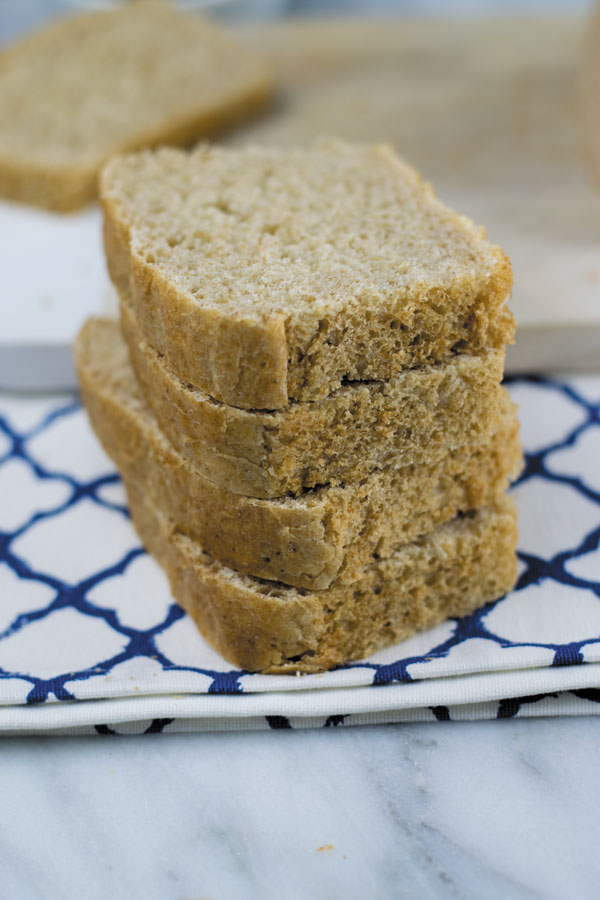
point(326, 534)
point(266, 275)
point(91, 85)
point(265, 626)
point(589, 93)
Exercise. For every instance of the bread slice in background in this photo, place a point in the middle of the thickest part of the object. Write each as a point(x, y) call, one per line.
point(94, 84)
point(416, 417)
point(266, 626)
point(326, 534)
point(589, 93)
point(266, 275)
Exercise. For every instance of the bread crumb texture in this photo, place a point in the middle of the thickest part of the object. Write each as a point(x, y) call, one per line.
point(265, 275)
point(417, 416)
point(308, 541)
point(266, 626)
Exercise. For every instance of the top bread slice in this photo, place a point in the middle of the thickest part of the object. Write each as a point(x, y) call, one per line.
point(266, 276)
point(100, 83)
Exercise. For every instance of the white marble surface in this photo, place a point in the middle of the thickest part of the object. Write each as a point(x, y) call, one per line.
point(506, 809)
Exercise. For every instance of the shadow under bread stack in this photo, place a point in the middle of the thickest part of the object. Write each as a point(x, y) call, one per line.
point(303, 396)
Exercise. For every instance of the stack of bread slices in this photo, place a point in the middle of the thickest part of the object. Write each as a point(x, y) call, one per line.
point(303, 396)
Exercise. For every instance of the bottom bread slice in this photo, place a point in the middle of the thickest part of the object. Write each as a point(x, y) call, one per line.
point(270, 627)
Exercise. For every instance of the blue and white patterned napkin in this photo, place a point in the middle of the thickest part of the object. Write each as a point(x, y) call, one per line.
point(92, 641)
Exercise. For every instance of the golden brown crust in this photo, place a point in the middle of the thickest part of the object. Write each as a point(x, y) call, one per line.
point(212, 345)
point(323, 535)
point(59, 190)
point(417, 417)
point(260, 626)
point(263, 359)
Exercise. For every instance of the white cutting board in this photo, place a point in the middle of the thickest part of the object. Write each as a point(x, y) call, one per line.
point(53, 277)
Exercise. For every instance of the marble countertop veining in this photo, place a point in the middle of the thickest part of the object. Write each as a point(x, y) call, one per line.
point(480, 811)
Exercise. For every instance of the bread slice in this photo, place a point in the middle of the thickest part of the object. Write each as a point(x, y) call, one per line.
point(94, 84)
point(266, 626)
point(326, 534)
point(588, 93)
point(417, 417)
point(266, 275)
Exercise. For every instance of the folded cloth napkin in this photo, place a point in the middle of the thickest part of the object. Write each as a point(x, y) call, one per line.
point(91, 640)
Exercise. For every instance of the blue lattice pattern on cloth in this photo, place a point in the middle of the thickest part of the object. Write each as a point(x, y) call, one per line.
point(86, 615)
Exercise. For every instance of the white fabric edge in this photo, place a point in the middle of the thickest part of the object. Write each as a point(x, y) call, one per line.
point(396, 697)
point(255, 683)
point(565, 706)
